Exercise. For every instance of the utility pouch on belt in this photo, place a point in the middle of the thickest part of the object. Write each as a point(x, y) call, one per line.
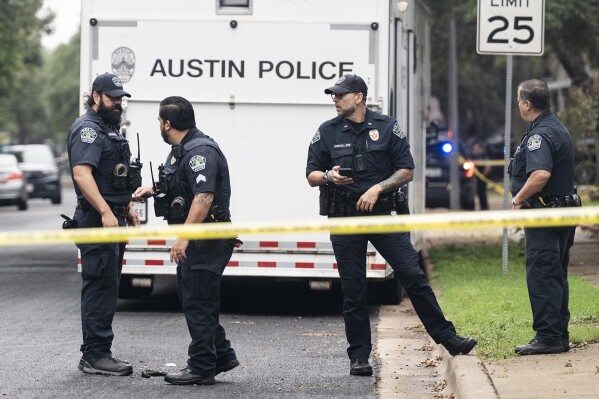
point(324, 200)
point(386, 203)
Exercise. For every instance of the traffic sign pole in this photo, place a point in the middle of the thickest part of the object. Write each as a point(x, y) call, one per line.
point(510, 27)
point(507, 153)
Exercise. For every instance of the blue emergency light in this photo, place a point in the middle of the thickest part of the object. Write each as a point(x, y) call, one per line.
point(446, 147)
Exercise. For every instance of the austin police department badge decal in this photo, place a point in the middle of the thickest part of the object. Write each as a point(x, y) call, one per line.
point(534, 142)
point(88, 135)
point(398, 131)
point(123, 63)
point(374, 134)
point(197, 163)
point(316, 137)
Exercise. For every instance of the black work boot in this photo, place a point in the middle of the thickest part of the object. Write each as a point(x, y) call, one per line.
point(360, 367)
point(227, 365)
point(187, 377)
point(457, 345)
point(105, 366)
point(535, 347)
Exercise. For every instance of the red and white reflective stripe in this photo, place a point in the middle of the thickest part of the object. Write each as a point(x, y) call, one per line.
point(250, 264)
point(282, 265)
point(267, 245)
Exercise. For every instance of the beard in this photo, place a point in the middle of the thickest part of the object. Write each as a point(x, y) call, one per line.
point(164, 136)
point(110, 115)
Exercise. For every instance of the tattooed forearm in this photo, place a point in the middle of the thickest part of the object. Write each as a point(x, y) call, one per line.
point(204, 200)
point(398, 179)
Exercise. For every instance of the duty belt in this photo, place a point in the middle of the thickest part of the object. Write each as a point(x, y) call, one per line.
point(117, 210)
point(569, 201)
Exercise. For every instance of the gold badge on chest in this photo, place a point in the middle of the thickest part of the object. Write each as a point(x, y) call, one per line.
point(374, 134)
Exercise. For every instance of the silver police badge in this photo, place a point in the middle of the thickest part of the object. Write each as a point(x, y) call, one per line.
point(197, 163)
point(123, 63)
point(88, 135)
point(374, 134)
point(398, 131)
point(316, 137)
point(534, 142)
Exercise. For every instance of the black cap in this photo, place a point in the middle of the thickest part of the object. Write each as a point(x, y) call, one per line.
point(348, 84)
point(110, 85)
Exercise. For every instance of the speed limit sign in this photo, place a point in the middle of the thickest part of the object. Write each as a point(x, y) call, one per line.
point(511, 27)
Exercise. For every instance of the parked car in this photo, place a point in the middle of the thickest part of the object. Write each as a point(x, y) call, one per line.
point(40, 168)
point(13, 188)
point(439, 150)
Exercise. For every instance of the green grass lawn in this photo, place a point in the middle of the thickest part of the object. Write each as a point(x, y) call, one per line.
point(485, 303)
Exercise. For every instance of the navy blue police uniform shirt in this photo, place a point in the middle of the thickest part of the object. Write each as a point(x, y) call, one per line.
point(547, 146)
point(93, 142)
point(380, 140)
point(202, 168)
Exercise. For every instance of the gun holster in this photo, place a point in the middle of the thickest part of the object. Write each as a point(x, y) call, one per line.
point(324, 200)
point(68, 222)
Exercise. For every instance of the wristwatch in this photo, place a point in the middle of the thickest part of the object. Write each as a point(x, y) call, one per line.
point(325, 176)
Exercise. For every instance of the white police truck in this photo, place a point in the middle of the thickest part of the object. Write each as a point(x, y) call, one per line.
point(255, 71)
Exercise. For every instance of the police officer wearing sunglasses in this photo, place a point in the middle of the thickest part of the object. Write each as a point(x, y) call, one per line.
point(360, 160)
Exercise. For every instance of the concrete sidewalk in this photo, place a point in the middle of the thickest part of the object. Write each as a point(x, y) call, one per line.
point(409, 365)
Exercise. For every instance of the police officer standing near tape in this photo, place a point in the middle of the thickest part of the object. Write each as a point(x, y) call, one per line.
point(542, 173)
point(360, 160)
point(104, 180)
point(194, 187)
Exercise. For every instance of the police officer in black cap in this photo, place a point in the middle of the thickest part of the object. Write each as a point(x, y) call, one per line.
point(99, 158)
point(195, 188)
point(373, 149)
point(542, 173)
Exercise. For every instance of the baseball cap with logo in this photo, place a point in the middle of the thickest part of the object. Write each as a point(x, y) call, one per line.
point(348, 84)
point(110, 85)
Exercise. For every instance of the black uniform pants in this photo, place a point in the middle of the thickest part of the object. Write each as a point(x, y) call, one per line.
point(547, 258)
point(101, 266)
point(481, 191)
point(199, 294)
point(397, 249)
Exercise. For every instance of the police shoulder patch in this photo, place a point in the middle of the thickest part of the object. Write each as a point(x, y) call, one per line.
point(398, 131)
point(197, 163)
point(88, 135)
point(534, 142)
point(316, 137)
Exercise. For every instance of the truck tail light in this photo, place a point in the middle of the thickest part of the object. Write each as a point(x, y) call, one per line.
point(468, 169)
point(13, 176)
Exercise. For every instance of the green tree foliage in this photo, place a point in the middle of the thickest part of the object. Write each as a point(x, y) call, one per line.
point(61, 90)
point(571, 41)
point(20, 55)
point(20, 33)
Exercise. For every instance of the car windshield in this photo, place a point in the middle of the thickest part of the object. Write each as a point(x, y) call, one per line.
point(34, 155)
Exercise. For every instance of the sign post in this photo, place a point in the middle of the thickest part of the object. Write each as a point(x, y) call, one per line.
point(510, 27)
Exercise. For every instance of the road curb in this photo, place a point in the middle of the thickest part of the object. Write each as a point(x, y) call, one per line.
point(466, 375)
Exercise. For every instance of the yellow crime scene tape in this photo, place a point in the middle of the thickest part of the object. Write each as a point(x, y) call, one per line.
point(549, 217)
point(494, 186)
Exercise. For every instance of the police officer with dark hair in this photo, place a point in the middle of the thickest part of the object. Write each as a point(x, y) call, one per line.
point(194, 187)
point(104, 180)
point(360, 160)
point(542, 173)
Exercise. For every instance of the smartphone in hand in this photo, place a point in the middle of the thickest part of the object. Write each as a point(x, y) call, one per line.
point(347, 172)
